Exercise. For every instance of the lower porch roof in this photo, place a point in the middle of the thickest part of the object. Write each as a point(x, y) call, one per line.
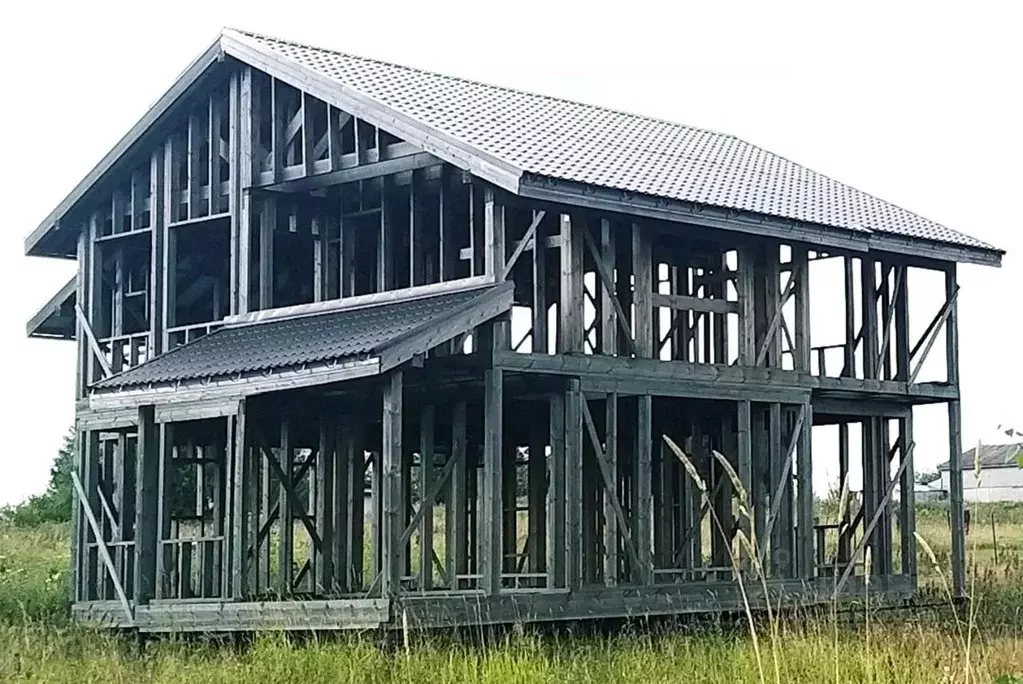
point(267, 352)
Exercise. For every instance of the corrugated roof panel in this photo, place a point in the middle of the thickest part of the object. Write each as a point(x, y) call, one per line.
point(597, 146)
point(293, 342)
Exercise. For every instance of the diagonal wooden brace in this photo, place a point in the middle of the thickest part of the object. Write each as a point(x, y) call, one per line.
point(609, 487)
point(102, 547)
point(882, 505)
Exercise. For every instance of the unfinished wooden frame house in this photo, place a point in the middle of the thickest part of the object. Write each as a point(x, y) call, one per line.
point(360, 344)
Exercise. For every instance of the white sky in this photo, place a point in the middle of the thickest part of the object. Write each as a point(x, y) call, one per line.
point(917, 104)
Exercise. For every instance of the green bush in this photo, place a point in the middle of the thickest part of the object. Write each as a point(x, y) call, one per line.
point(53, 505)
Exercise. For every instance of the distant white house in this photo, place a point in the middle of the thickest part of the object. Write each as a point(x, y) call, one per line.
point(1000, 477)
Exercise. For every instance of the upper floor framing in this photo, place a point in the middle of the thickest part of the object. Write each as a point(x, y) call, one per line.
point(253, 185)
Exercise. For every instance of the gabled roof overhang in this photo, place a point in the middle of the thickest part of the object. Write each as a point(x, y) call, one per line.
point(56, 318)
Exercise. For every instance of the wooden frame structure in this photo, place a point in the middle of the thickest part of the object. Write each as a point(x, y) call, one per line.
point(500, 460)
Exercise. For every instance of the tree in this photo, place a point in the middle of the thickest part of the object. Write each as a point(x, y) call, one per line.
point(53, 505)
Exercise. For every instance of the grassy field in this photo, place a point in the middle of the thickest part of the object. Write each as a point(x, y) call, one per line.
point(38, 644)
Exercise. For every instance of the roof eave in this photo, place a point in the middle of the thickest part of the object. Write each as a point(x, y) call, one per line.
point(548, 189)
point(38, 242)
point(32, 328)
point(606, 199)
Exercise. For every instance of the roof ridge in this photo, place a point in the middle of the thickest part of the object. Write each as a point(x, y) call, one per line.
point(602, 108)
point(487, 84)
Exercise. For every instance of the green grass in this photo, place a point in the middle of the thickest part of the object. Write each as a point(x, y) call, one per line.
point(37, 642)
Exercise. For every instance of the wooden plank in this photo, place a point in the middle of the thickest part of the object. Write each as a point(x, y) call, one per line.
point(326, 462)
point(392, 490)
point(536, 545)
point(955, 440)
point(456, 547)
point(868, 332)
point(427, 421)
point(493, 495)
point(907, 525)
point(643, 290)
point(642, 482)
point(688, 303)
point(556, 522)
point(574, 466)
point(527, 241)
point(604, 272)
point(608, 292)
point(801, 270)
point(493, 235)
point(102, 547)
point(744, 438)
point(608, 472)
point(945, 316)
point(146, 490)
point(540, 303)
point(805, 504)
point(242, 490)
point(163, 512)
point(97, 351)
point(570, 305)
point(869, 529)
point(746, 287)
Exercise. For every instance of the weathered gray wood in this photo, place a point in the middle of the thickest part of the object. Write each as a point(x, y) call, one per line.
point(872, 524)
point(612, 507)
point(536, 545)
point(573, 475)
point(426, 487)
point(283, 466)
point(955, 439)
point(493, 234)
point(746, 285)
point(570, 305)
point(608, 291)
point(146, 491)
point(243, 490)
point(643, 507)
point(163, 551)
point(493, 495)
point(689, 303)
point(805, 504)
point(643, 290)
point(456, 547)
point(556, 522)
point(609, 475)
point(97, 352)
point(907, 502)
point(392, 489)
point(326, 462)
point(528, 240)
point(102, 547)
point(946, 316)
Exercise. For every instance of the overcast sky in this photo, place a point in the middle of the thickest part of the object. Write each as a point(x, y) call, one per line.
point(919, 105)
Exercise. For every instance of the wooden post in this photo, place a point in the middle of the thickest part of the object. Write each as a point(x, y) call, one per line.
point(426, 456)
point(391, 487)
point(955, 439)
point(163, 514)
point(326, 462)
point(456, 523)
point(744, 438)
point(573, 475)
point(537, 482)
point(608, 324)
point(804, 474)
point(147, 497)
point(493, 444)
point(540, 303)
point(849, 367)
point(642, 511)
point(556, 523)
point(286, 542)
point(643, 289)
point(746, 286)
point(610, 519)
point(570, 305)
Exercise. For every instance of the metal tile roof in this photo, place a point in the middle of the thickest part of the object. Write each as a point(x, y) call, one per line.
point(602, 147)
point(991, 456)
point(293, 342)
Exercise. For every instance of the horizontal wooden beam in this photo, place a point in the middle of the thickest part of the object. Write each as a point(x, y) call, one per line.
point(419, 160)
point(702, 304)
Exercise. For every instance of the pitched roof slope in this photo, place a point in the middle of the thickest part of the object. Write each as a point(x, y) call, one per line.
point(341, 336)
point(991, 456)
point(597, 146)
